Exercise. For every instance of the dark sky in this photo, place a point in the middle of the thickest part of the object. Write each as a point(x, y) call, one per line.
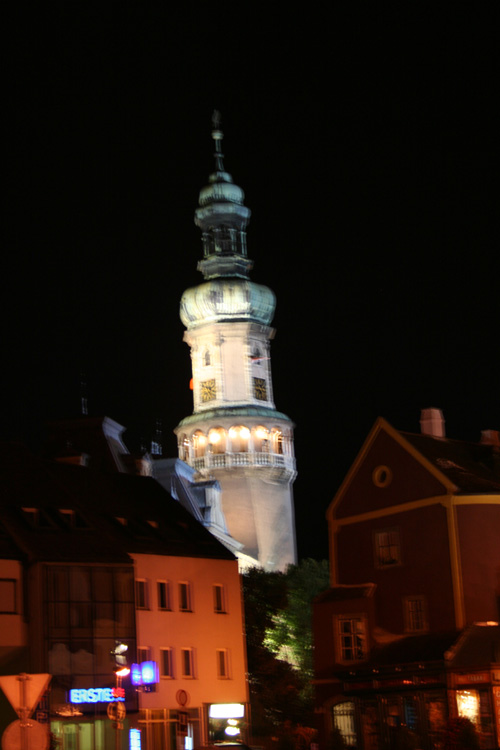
point(365, 143)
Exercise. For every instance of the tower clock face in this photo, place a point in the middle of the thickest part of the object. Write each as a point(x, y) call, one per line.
point(260, 389)
point(208, 390)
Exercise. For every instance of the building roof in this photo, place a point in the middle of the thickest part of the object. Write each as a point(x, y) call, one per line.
point(57, 512)
point(473, 467)
point(430, 647)
point(477, 647)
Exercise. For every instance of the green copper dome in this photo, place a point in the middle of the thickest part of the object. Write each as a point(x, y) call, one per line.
point(225, 299)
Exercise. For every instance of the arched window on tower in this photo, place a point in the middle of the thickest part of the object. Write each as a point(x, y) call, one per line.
point(199, 443)
point(260, 439)
point(278, 441)
point(206, 358)
point(217, 440)
point(239, 437)
point(184, 447)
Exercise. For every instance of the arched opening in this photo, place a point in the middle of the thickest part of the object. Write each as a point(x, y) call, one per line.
point(260, 439)
point(207, 361)
point(278, 442)
point(217, 440)
point(343, 719)
point(184, 447)
point(199, 443)
point(240, 438)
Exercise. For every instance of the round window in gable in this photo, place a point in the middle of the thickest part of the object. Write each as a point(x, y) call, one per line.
point(382, 476)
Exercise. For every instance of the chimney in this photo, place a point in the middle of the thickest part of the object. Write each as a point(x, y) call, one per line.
point(432, 422)
point(490, 437)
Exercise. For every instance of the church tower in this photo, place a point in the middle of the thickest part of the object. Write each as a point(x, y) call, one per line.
point(235, 434)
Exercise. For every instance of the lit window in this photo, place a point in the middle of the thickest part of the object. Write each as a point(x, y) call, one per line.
point(163, 589)
point(468, 704)
point(217, 440)
point(239, 439)
point(185, 597)
point(260, 439)
point(141, 594)
point(187, 662)
point(387, 548)
point(222, 664)
point(167, 663)
point(199, 444)
point(415, 614)
point(351, 638)
point(278, 442)
point(343, 719)
point(219, 598)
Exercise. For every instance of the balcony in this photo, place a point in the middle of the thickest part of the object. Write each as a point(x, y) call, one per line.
point(279, 464)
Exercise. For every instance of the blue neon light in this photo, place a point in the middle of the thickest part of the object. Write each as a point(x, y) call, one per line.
point(134, 739)
point(145, 673)
point(95, 695)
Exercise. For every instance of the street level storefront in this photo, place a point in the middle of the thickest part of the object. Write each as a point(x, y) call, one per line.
point(386, 703)
point(187, 727)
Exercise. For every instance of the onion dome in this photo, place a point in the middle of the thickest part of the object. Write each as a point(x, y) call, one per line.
point(224, 299)
point(222, 218)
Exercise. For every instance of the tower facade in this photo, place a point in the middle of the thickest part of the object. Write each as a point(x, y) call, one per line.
point(235, 434)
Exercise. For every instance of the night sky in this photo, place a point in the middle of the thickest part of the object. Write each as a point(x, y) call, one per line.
point(364, 141)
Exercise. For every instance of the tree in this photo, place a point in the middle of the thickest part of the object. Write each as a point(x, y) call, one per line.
point(278, 610)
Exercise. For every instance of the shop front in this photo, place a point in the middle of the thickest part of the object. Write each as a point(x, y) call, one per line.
point(475, 695)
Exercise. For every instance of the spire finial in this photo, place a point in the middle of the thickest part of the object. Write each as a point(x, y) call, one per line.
point(217, 135)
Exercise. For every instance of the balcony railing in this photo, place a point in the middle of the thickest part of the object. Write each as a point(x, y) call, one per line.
point(228, 460)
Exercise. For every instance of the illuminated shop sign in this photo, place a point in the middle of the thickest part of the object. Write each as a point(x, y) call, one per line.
point(134, 738)
point(226, 711)
point(145, 673)
point(96, 695)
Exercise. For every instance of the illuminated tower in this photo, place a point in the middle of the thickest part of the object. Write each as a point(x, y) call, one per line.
point(235, 434)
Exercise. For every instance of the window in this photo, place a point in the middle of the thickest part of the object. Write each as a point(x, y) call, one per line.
point(343, 719)
point(415, 614)
point(185, 597)
point(382, 476)
point(8, 596)
point(219, 599)
point(143, 654)
point(351, 638)
point(387, 548)
point(167, 663)
point(141, 594)
point(187, 662)
point(163, 591)
point(222, 664)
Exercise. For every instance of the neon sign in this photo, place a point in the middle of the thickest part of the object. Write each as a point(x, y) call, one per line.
point(145, 673)
point(96, 695)
point(135, 739)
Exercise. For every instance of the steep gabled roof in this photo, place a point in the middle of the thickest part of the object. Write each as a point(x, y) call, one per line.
point(473, 467)
point(453, 467)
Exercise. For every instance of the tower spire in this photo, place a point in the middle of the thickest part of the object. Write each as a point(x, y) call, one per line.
point(217, 135)
point(222, 217)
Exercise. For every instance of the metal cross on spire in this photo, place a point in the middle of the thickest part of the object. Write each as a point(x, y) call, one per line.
point(217, 135)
